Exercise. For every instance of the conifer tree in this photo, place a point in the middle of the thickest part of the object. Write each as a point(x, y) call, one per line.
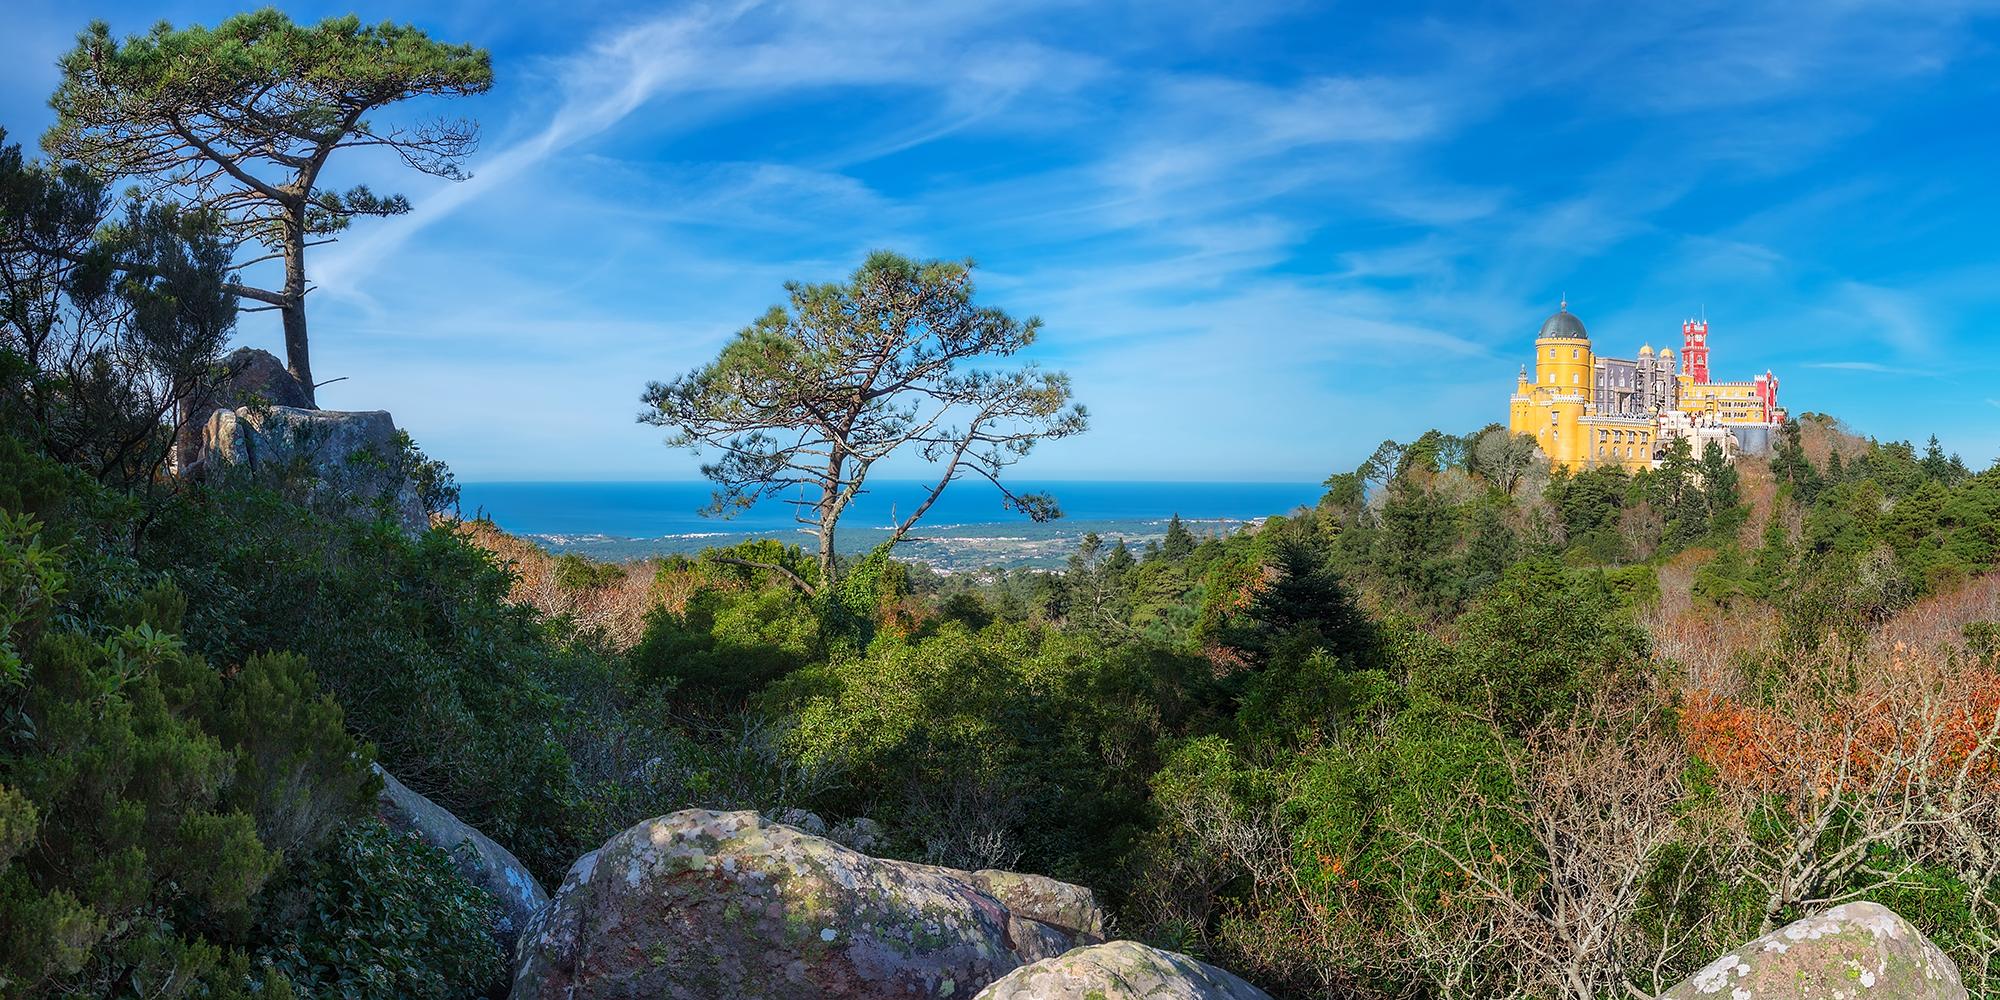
point(1302, 605)
point(1179, 543)
point(814, 394)
point(241, 120)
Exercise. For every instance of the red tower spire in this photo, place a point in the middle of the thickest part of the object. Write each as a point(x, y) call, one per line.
point(1694, 349)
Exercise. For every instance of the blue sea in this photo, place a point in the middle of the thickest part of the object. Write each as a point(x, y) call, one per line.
point(967, 529)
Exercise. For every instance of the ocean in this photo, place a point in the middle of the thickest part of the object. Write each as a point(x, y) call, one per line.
point(967, 529)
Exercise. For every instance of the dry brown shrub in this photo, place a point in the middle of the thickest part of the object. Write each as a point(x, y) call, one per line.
point(1938, 621)
point(1758, 489)
point(1821, 437)
point(615, 610)
point(1862, 749)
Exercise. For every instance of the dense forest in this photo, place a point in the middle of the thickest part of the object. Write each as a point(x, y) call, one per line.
point(1463, 728)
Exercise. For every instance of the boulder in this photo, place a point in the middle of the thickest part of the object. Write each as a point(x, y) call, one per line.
point(1071, 908)
point(702, 904)
point(355, 458)
point(249, 377)
point(482, 862)
point(1854, 950)
point(861, 833)
point(1120, 970)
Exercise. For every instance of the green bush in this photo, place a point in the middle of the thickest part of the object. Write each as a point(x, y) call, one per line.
point(471, 697)
point(384, 916)
point(120, 845)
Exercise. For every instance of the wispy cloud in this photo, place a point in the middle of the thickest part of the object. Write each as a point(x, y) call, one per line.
point(1260, 237)
point(1871, 366)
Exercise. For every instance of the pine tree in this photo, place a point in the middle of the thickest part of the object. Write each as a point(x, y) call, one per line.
point(1179, 543)
point(1303, 605)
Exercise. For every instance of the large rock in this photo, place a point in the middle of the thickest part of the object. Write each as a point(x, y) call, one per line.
point(1121, 970)
point(699, 905)
point(354, 459)
point(249, 377)
point(1853, 951)
point(482, 862)
point(1070, 908)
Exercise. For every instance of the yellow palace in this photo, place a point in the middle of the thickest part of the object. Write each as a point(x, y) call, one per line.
point(1585, 409)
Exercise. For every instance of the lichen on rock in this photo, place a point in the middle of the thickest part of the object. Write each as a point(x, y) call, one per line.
point(1855, 951)
point(1120, 970)
point(702, 904)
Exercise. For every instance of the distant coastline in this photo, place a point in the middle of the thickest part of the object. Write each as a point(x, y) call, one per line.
point(968, 530)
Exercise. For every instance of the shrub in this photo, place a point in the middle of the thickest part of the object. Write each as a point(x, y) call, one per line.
point(384, 916)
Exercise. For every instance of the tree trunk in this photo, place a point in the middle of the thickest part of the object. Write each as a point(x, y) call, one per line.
point(298, 359)
point(826, 525)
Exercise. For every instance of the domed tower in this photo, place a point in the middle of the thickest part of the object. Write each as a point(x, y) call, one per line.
point(1560, 397)
point(1562, 355)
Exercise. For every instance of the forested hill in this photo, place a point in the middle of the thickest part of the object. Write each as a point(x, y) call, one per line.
point(1462, 727)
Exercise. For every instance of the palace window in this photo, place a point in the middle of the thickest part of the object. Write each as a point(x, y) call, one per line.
point(1575, 353)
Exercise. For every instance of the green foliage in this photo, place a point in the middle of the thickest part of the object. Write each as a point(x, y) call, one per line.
point(725, 645)
point(106, 321)
point(415, 638)
point(1538, 640)
point(120, 828)
point(814, 393)
point(384, 916)
point(574, 573)
point(1179, 543)
point(298, 772)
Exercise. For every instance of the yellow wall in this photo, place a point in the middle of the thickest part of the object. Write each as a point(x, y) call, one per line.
point(1557, 399)
point(1731, 402)
point(1553, 406)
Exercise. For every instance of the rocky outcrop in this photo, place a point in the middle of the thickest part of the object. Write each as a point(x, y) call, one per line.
point(702, 904)
point(352, 458)
point(248, 377)
point(1853, 951)
point(1121, 970)
point(1071, 908)
point(482, 862)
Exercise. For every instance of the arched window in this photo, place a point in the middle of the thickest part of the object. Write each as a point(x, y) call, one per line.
point(1575, 353)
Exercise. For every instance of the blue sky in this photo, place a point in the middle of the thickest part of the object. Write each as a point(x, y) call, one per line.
point(1262, 237)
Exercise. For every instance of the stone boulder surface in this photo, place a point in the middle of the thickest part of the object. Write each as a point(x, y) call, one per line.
point(1120, 970)
point(250, 377)
point(700, 904)
point(1850, 952)
point(1067, 907)
point(482, 862)
point(355, 456)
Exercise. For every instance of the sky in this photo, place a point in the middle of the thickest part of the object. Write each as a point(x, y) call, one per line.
point(1262, 237)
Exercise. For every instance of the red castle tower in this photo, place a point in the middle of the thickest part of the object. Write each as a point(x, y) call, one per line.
point(1694, 350)
point(1767, 395)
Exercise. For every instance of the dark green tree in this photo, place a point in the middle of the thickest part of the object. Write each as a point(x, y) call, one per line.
point(1179, 543)
point(241, 120)
point(1301, 604)
point(113, 320)
point(809, 398)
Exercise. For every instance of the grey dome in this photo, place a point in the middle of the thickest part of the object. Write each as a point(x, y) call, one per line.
point(1564, 324)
